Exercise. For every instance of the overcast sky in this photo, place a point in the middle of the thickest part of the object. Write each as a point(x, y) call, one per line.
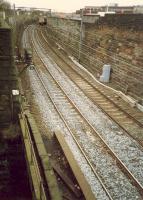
point(72, 5)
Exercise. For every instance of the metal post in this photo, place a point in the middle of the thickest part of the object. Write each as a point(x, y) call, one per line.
point(14, 24)
point(14, 14)
point(50, 12)
point(81, 30)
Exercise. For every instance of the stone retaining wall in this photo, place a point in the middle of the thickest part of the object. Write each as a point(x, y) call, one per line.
point(103, 44)
point(134, 21)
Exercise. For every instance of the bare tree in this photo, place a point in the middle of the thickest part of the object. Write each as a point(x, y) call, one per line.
point(4, 5)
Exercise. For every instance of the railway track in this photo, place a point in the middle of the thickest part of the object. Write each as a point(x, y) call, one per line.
point(93, 63)
point(131, 122)
point(65, 99)
point(71, 133)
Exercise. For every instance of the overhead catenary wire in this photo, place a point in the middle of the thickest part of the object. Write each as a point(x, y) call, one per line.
point(106, 54)
point(133, 68)
point(71, 46)
point(95, 62)
point(88, 56)
point(129, 43)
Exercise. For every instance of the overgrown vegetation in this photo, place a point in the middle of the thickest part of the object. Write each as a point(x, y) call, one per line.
point(17, 19)
point(5, 11)
point(4, 5)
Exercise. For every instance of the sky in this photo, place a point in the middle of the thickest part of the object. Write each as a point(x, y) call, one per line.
point(72, 5)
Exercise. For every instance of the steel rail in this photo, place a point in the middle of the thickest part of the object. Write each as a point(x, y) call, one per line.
point(108, 55)
point(100, 92)
point(87, 55)
point(69, 129)
point(120, 163)
point(33, 152)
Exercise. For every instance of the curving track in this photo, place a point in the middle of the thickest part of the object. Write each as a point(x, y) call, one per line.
point(129, 119)
point(114, 170)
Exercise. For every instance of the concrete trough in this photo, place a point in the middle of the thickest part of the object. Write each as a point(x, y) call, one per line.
point(85, 187)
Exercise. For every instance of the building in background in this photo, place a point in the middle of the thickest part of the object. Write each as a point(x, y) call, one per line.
point(112, 8)
point(138, 9)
